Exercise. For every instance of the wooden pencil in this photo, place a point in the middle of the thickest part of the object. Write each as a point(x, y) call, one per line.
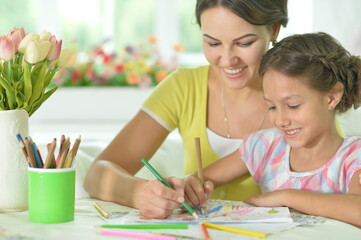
point(50, 156)
point(30, 152)
point(199, 165)
point(63, 153)
point(62, 140)
point(72, 153)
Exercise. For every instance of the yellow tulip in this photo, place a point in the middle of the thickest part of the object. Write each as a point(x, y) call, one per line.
point(36, 51)
point(45, 36)
point(30, 37)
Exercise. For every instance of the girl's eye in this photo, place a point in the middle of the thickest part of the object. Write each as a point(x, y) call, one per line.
point(213, 44)
point(294, 106)
point(271, 108)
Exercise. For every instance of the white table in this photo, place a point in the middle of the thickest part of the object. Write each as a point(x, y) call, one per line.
point(86, 218)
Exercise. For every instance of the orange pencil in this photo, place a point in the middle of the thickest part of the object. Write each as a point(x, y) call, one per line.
point(205, 232)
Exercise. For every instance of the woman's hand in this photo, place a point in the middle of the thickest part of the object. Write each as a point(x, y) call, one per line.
point(158, 201)
point(195, 193)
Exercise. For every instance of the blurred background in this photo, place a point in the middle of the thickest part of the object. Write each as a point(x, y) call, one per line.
point(85, 24)
point(137, 43)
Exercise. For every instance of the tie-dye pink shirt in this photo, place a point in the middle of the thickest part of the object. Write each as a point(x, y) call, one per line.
point(266, 155)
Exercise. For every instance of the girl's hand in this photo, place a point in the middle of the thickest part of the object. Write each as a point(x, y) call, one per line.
point(158, 201)
point(270, 199)
point(195, 193)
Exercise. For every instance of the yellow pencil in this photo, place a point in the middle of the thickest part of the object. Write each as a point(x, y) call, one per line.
point(101, 210)
point(72, 153)
point(235, 230)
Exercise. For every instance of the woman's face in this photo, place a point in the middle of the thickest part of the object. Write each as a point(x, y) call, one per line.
point(233, 46)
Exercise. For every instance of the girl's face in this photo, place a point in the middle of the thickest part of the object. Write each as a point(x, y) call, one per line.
point(233, 46)
point(301, 113)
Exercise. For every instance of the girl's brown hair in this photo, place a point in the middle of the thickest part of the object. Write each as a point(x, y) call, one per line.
point(322, 61)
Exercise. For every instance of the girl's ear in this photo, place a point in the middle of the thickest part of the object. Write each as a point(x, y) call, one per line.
point(275, 30)
point(335, 95)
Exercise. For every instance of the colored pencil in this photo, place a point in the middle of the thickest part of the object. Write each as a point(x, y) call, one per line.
point(235, 230)
point(136, 235)
point(50, 156)
point(101, 210)
point(147, 226)
point(160, 178)
point(62, 140)
point(30, 153)
point(199, 165)
point(64, 153)
point(205, 232)
point(69, 160)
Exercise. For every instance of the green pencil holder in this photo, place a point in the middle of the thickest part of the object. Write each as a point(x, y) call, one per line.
point(51, 195)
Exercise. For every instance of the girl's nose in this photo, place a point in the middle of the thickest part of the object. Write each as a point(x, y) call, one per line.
point(282, 120)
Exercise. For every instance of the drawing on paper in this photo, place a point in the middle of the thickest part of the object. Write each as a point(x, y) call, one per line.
point(220, 211)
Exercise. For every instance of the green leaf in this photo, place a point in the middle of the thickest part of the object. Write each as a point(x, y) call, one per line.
point(38, 103)
point(37, 78)
point(28, 87)
point(9, 93)
point(19, 88)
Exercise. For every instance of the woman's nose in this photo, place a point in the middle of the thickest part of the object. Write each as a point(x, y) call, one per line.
point(228, 57)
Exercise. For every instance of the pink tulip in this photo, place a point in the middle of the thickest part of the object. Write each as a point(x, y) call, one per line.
point(55, 49)
point(17, 34)
point(7, 48)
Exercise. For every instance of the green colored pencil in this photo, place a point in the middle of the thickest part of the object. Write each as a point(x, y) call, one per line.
point(147, 226)
point(160, 178)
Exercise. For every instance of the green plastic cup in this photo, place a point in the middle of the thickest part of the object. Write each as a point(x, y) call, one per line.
point(51, 195)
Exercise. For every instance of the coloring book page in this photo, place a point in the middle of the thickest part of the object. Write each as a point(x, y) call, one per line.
point(220, 211)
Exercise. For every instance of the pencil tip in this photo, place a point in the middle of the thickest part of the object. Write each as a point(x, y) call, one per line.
point(195, 215)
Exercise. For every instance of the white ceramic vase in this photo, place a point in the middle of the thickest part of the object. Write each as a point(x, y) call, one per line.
point(13, 164)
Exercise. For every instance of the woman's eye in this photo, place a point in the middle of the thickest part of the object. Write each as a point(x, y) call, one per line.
point(271, 108)
point(245, 44)
point(294, 106)
point(213, 44)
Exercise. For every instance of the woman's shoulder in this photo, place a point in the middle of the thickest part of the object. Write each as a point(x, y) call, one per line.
point(186, 77)
point(190, 73)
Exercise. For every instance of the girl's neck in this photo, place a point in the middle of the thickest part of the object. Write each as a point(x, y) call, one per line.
point(310, 158)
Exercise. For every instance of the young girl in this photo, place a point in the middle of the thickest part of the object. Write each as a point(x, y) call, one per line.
point(303, 163)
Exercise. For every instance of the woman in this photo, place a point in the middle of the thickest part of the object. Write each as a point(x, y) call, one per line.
point(220, 103)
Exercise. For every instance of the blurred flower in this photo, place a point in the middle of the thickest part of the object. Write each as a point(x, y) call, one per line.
point(134, 65)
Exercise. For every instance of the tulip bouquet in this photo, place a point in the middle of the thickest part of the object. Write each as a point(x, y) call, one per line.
point(28, 62)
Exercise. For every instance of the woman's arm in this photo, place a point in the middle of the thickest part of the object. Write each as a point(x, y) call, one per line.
point(111, 175)
point(343, 207)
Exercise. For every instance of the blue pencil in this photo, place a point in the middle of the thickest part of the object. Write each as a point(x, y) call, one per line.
point(37, 156)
